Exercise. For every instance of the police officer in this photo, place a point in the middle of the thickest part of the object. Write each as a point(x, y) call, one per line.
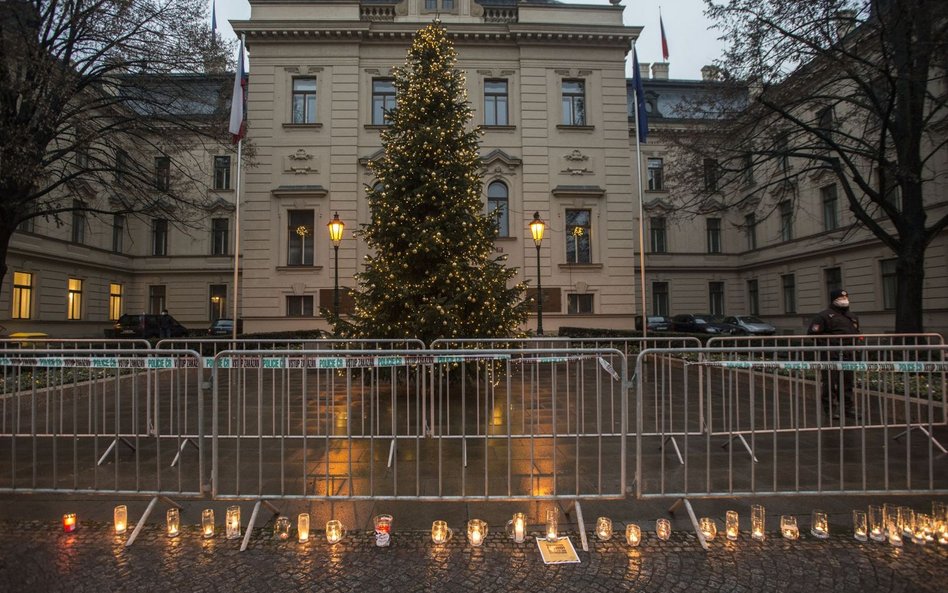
point(837, 320)
point(164, 324)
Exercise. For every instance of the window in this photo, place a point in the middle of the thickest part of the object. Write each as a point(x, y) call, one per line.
point(825, 118)
point(830, 214)
point(159, 236)
point(782, 152)
point(711, 174)
point(750, 228)
point(222, 172)
point(714, 235)
point(217, 301)
point(162, 173)
point(716, 297)
point(118, 233)
point(122, 163)
point(383, 99)
point(833, 278)
point(748, 169)
point(22, 295)
point(498, 206)
point(786, 220)
point(660, 298)
point(447, 4)
point(304, 100)
point(115, 301)
point(753, 297)
point(156, 299)
point(74, 299)
point(574, 103)
point(579, 304)
point(659, 234)
point(27, 226)
point(577, 237)
point(300, 238)
point(78, 221)
point(656, 175)
point(219, 236)
point(432, 5)
point(890, 283)
point(789, 293)
point(299, 306)
point(889, 186)
point(495, 102)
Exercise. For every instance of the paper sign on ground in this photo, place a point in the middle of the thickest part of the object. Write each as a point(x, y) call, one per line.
point(560, 551)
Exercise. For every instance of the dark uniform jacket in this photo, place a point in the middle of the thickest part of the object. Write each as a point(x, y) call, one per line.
point(835, 322)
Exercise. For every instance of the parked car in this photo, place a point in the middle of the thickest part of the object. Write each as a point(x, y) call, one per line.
point(225, 327)
point(656, 323)
point(702, 324)
point(754, 326)
point(143, 325)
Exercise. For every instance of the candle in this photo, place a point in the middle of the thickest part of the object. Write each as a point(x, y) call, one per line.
point(907, 521)
point(633, 534)
point(517, 527)
point(476, 532)
point(207, 523)
point(923, 529)
point(552, 516)
point(894, 533)
point(335, 531)
point(663, 529)
point(232, 524)
point(302, 527)
point(120, 518)
point(758, 517)
point(70, 522)
point(383, 530)
point(860, 531)
point(788, 527)
point(604, 528)
point(440, 532)
point(281, 528)
point(819, 525)
point(173, 521)
point(708, 528)
point(732, 525)
point(877, 523)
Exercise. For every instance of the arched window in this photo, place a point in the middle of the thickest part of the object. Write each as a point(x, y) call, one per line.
point(498, 206)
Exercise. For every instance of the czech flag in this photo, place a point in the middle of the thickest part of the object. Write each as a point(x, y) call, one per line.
point(661, 26)
point(238, 104)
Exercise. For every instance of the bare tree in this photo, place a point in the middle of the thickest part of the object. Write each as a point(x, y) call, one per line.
point(106, 106)
point(853, 90)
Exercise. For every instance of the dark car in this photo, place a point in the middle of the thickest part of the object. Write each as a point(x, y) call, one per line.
point(752, 325)
point(656, 323)
point(703, 324)
point(225, 327)
point(143, 325)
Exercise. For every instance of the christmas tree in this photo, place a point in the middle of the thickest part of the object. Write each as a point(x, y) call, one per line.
point(432, 274)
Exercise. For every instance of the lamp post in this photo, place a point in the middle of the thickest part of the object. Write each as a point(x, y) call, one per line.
point(336, 227)
point(536, 229)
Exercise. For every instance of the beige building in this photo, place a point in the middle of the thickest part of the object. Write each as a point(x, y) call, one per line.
point(548, 87)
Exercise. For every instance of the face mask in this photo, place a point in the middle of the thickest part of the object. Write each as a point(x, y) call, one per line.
point(842, 303)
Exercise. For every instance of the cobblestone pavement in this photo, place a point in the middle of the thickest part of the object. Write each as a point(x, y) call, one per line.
point(37, 557)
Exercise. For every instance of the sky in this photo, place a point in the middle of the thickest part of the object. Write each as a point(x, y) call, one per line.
point(691, 44)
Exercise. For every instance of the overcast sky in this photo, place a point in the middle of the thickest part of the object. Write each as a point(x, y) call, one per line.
point(691, 44)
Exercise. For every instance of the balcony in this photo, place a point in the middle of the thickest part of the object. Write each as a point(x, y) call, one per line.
point(377, 12)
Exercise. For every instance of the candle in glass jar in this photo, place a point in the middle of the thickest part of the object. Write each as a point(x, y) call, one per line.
point(335, 531)
point(758, 516)
point(552, 519)
point(120, 518)
point(876, 519)
point(732, 525)
point(440, 532)
point(70, 522)
point(708, 528)
point(207, 523)
point(663, 529)
point(281, 528)
point(232, 524)
point(819, 525)
point(894, 533)
point(519, 523)
point(788, 527)
point(860, 529)
point(633, 534)
point(476, 532)
point(173, 521)
point(302, 527)
point(604, 528)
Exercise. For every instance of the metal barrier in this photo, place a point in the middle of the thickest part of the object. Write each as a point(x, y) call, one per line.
point(95, 421)
point(446, 425)
point(769, 400)
point(46, 343)
point(628, 346)
point(805, 341)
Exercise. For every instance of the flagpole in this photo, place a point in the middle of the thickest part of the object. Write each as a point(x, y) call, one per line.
point(240, 146)
point(638, 177)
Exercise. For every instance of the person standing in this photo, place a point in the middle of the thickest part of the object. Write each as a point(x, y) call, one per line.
point(837, 320)
point(164, 325)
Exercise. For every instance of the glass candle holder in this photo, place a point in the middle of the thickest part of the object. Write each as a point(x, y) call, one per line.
point(476, 532)
point(939, 511)
point(302, 527)
point(173, 521)
point(517, 528)
point(335, 531)
point(70, 522)
point(232, 524)
point(207, 523)
point(906, 518)
point(633, 535)
point(758, 518)
point(120, 518)
point(663, 529)
point(860, 526)
point(941, 531)
point(788, 527)
point(604, 528)
point(876, 524)
point(732, 525)
point(894, 533)
point(819, 525)
point(281, 528)
point(552, 524)
point(440, 532)
point(383, 530)
point(708, 528)
point(923, 529)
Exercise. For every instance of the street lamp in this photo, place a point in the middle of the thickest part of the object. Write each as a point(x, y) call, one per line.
point(336, 227)
point(536, 229)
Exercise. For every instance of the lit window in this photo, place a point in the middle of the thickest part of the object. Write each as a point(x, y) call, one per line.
point(217, 295)
point(300, 238)
point(304, 100)
point(578, 232)
point(115, 301)
point(74, 299)
point(574, 103)
point(22, 295)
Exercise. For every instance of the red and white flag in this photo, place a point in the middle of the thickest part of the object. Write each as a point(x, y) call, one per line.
point(238, 107)
point(661, 26)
